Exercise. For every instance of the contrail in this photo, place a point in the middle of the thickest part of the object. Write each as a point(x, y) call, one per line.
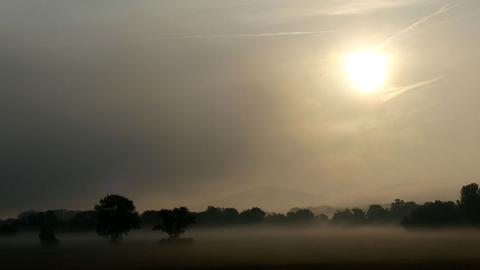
point(247, 35)
point(456, 19)
point(417, 23)
point(397, 91)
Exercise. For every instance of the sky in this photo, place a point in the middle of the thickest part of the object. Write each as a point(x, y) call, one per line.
point(177, 102)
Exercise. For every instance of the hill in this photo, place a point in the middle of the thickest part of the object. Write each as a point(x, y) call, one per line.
point(274, 199)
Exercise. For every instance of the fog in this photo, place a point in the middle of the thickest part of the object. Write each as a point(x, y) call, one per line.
point(269, 247)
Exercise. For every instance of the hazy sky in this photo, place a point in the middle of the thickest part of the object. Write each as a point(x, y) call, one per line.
point(181, 102)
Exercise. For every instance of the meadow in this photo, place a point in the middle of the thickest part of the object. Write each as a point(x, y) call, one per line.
point(258, 247)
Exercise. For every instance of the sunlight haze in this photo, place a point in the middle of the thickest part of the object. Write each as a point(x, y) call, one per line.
point(173, 102)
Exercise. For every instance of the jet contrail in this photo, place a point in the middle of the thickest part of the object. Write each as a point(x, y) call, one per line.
point(397, 91)
point(456, 19)
point(417, 23)
point(247, 35)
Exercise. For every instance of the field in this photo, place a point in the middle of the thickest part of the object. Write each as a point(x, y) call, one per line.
point(254, 248)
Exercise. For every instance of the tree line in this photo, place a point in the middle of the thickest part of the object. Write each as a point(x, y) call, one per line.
point(115, 215)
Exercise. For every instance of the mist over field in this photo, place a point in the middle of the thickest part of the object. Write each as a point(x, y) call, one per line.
point(256, 247)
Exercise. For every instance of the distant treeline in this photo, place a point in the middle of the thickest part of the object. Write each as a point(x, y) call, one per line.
point(464, 212)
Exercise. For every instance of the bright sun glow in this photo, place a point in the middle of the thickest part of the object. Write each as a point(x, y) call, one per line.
point(367, 69)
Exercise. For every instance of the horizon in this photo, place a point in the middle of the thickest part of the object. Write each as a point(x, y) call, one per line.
point(293, 207)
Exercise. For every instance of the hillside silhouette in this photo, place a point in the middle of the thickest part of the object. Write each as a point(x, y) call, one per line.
point(270, 198)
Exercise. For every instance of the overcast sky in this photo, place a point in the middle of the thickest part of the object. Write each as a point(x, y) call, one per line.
point(181, 102)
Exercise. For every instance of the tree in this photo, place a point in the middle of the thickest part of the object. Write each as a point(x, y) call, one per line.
point(150, 218)
point(276, 218)
point(359, 215)
point(175, 222)
point(8, 227)
point(49, 220)
point(322, 219)
point(116, 217)
point(213, 216)
point(301, 216)
point(356, 216)
point(83, 221)
point(216, 216)
point(253, 215)
point(400, 209)
point(47, 237)
point(229, 216)
point(434, 214)
point(470, 203)
point(376, 213)
point(469, 194)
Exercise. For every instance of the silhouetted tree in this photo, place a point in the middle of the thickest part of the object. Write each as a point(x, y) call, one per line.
point(116, 217)
point(470, 203)
point(252, 215)
point(276, 218)
point(216, 216)
point(8, 227)
point(213, 216)
point(47, 237)
point(83, 221)
point(30, 220)
point(322, 218)
point(51, 219)
point(356, 216)
point(301, 216)
point(434, 214)
point(230, 216)
point(359, 215)
point(150, 218)
point(175, 222)
point(377, 214)
point(400, 209)
point(342, 217)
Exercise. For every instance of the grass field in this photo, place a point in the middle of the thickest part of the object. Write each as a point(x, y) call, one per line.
point(254, 248)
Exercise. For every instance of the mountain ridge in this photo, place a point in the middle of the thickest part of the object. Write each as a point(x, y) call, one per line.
point(269, 198)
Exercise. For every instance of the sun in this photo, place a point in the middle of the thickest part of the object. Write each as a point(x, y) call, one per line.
point(367, 69)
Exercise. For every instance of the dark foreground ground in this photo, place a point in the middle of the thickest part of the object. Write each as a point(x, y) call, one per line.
point(254, 248)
